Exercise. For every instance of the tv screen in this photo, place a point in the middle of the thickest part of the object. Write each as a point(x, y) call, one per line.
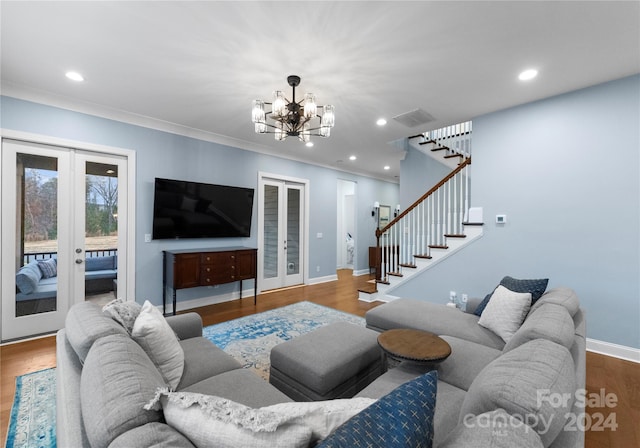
point(183, 209)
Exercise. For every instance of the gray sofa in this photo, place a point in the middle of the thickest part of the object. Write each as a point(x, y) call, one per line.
point(484, 378)
point(104, 378)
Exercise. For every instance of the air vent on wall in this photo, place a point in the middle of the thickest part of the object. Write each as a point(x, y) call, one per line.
point(414, 118)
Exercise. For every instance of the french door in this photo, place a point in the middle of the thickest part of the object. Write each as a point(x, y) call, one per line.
point(282, 239)
point(60, 207)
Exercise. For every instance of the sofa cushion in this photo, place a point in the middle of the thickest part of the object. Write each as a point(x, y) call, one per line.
point(241, 386)
point(495, 429)
point(521, 382)
point(466, 361)
point(448, 403)
point(505, 312)
point(28, 277)
point(158, 340)
point(534, 286)
point(202, 360)
point(86, 323)
point(125, 312)
point(100, 263)
point(152, 435)
point(432, 317)
point(117, 380)
point(404, 417)
point(560, 296)
point(549, 321)
point(48, 267)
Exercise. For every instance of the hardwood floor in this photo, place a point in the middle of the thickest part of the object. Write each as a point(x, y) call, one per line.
point(615, 376)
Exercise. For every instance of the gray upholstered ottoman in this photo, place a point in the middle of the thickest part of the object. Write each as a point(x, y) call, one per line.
point(335, 361)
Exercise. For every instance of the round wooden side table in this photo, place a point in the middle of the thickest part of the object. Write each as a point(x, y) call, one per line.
point(418, 346)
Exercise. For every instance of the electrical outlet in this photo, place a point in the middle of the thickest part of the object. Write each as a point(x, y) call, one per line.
point(465, 297)
point(452, 295)
point(317, 268)
point(147, 237)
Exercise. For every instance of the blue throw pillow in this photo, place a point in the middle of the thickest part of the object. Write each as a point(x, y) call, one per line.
point(49, 268)
point(28, 277)
point(536, 287)
point(403, 418)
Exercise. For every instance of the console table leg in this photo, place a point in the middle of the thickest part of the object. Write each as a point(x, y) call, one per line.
point(174, 302)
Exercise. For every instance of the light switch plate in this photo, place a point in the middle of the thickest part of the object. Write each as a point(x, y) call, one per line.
point(501, 219)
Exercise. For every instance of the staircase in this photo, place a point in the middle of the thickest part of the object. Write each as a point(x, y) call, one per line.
point(435, 226)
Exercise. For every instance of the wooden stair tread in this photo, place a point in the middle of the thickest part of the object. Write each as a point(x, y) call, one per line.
point(472, 223)
point(424, 256)
point(406, 265)
point(415, 136)
point(440, 148)
point(455, 235)
point(451, 156)
point(383, 282)
point(438, 246)
point(369, 289)
point(395, 274)
point(426, 142)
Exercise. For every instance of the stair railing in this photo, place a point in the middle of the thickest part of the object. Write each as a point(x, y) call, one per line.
point(426, 224)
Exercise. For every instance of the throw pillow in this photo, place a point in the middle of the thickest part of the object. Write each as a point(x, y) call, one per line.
point(536, 287)
point(505, 312)
point(124, 312)
point(402, 418)
point(28, 277)
point(214, 421)
point(152, 332)
point(49, 268)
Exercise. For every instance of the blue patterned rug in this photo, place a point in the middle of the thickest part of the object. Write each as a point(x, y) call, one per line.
point(250, 339)
point(33, 416)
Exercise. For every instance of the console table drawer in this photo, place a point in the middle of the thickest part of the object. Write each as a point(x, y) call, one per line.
point(216, 274)
point(217, 258)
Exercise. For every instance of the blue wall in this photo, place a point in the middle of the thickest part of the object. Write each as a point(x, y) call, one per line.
point(162, 154)
point(565, 171)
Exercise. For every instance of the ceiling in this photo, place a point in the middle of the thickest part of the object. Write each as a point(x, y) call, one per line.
point(195, 67)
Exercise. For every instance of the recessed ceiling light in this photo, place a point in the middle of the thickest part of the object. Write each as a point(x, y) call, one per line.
point(528, 74)
point(387, 167)
point(309, 144)
point(74, 76)
point(352, 157)
point(381, 122)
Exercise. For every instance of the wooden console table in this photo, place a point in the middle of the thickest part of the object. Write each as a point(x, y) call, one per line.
point(192, 268)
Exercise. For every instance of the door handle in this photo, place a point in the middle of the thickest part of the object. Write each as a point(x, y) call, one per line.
point(79, 260)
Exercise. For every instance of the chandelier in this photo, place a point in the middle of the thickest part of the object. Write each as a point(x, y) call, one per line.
point(293, 118)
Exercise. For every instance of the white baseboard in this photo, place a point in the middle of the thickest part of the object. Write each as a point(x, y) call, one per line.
point(325, 279)
point(361, 272)
point(615, 350)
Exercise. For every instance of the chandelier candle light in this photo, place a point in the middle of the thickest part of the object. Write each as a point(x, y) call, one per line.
point(291, 118)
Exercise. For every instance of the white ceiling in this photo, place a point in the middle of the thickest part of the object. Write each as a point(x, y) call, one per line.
point(195, 67)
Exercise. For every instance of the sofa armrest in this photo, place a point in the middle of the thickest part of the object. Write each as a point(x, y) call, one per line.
point(186, 326)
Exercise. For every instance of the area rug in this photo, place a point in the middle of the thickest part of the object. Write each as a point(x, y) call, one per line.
point(250, 339)
point(32, 422)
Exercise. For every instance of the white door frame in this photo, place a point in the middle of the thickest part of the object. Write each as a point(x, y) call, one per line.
point(125, 291)
point(305, 250)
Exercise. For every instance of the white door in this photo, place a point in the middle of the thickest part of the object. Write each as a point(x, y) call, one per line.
point(53, 217)
point(282, 233)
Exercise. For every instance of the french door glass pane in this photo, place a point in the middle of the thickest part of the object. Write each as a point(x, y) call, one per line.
point(271, 218)
point(101, 229)
point(293, 231)
point(37, 234)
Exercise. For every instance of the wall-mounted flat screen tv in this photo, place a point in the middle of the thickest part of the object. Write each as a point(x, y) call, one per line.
point(183, 209)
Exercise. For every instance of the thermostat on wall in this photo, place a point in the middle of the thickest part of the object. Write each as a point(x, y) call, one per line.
point(501, 219)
